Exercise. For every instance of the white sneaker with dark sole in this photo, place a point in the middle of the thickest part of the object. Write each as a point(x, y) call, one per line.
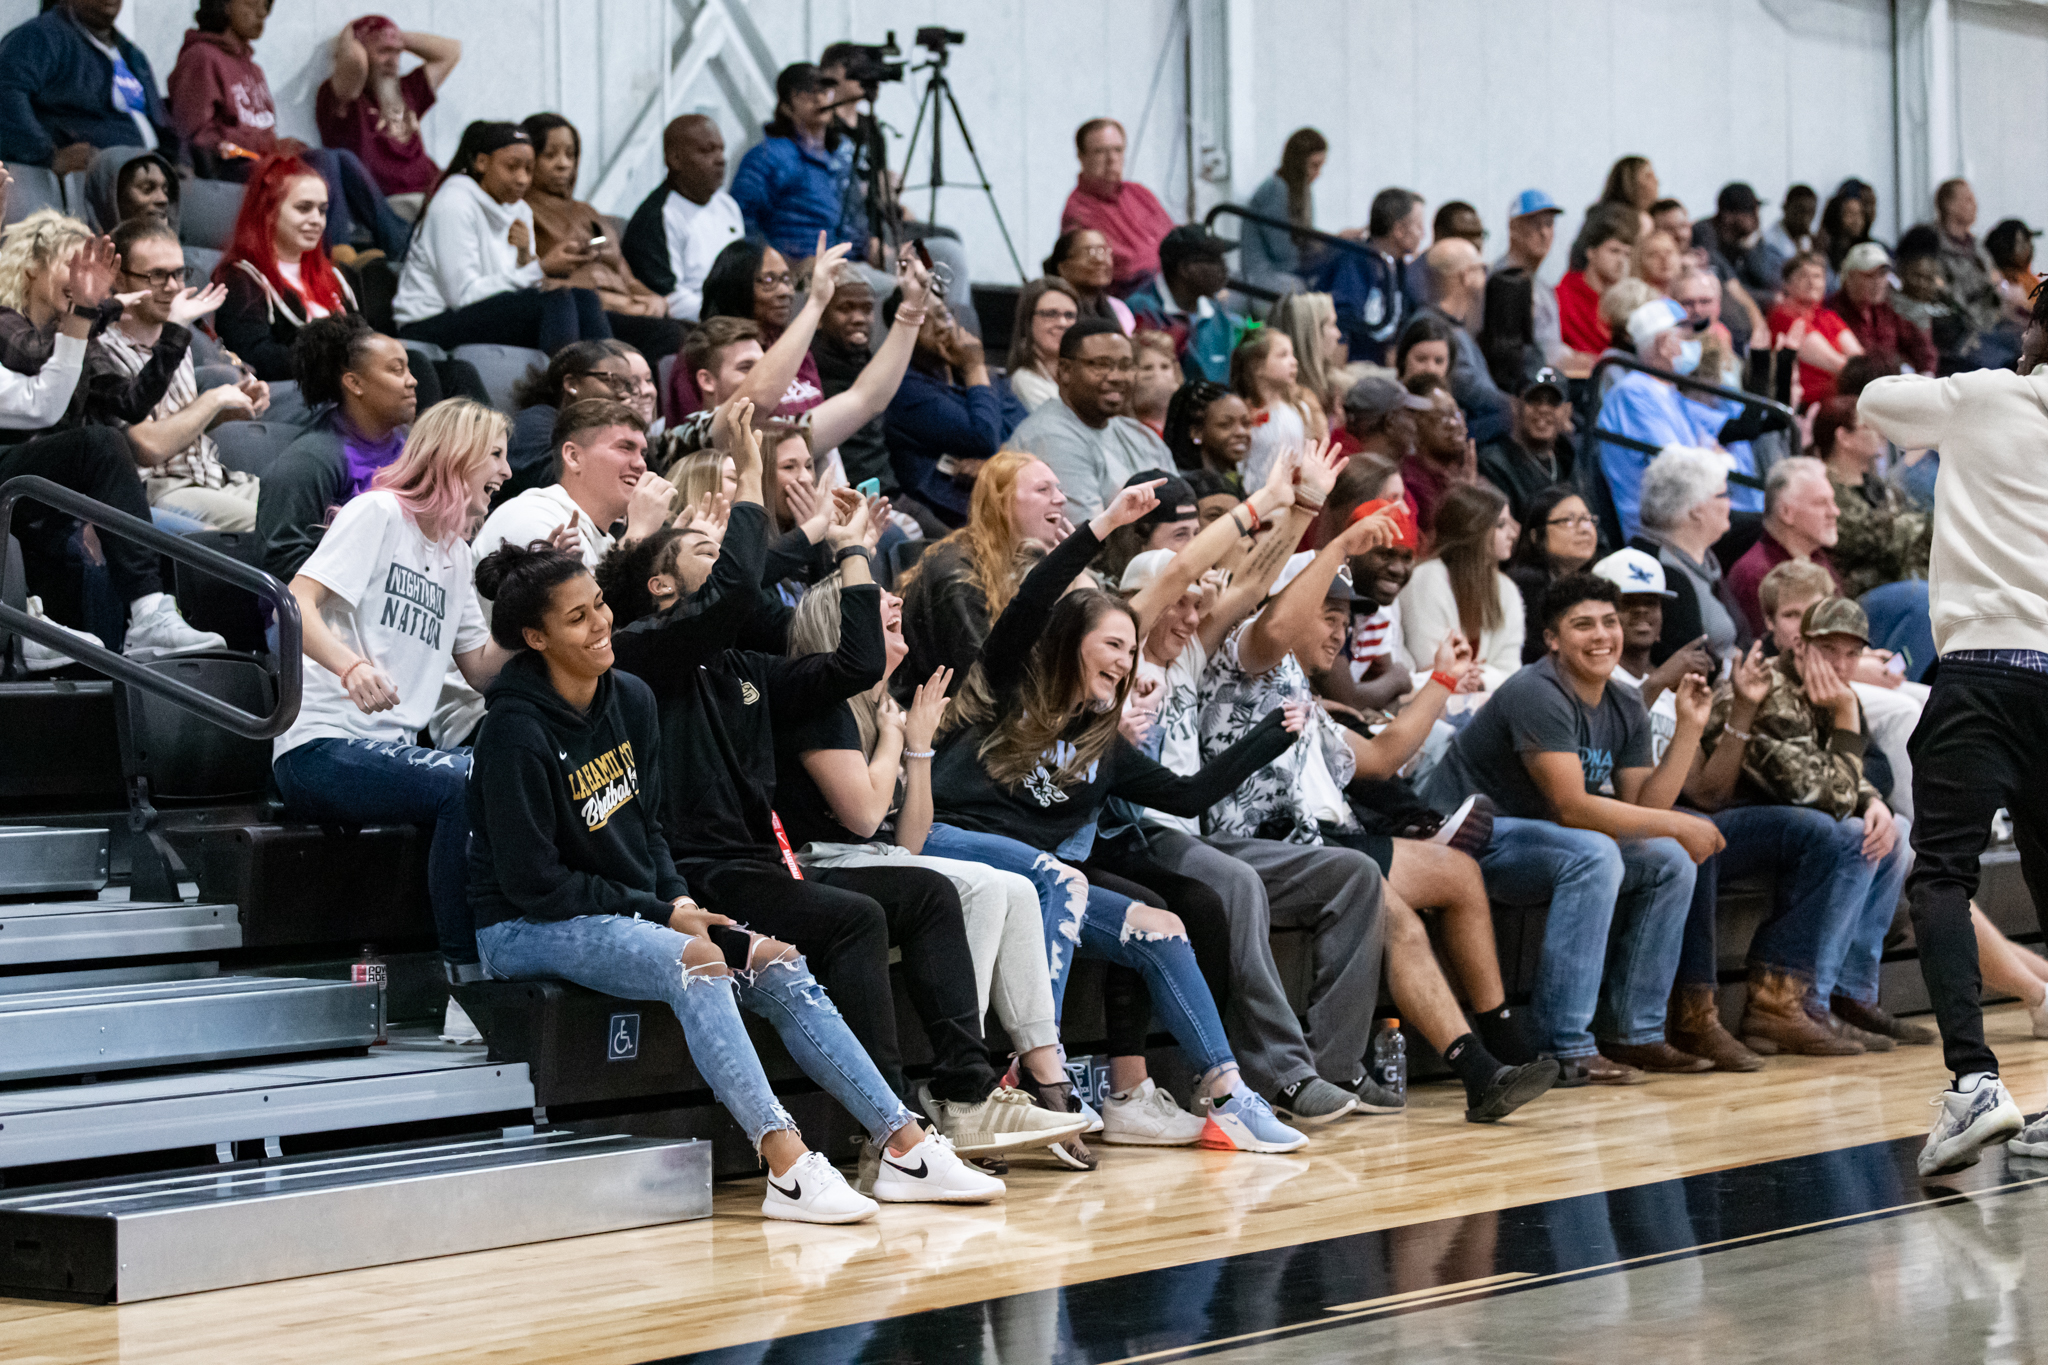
point(458, 1027)
point(931, 1173)
point(1968, 1124)
point(1006, 1119)
point(812, 1192)
point(1148, 1117)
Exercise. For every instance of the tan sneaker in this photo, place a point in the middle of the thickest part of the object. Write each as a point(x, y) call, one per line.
point(1006, 1119)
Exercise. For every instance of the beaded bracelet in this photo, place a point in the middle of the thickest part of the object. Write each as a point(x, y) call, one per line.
point(359, 663)
point(913, 316)
point(919, 753)
point(1743, 735)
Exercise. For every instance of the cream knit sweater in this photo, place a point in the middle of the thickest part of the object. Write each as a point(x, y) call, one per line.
point(1988, 577)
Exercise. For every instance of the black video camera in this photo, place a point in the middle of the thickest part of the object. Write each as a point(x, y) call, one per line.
point(939, 39)
point(869, 64)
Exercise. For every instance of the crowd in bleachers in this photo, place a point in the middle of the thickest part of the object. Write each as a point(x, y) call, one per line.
point(764, 626)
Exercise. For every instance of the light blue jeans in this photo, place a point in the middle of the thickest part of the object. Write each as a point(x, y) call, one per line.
point(1087, 921)
point(1848, 965)
point(1615, 931)
point(637, 959)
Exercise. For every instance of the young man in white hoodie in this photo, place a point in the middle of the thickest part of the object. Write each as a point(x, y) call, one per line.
point(1983, 738)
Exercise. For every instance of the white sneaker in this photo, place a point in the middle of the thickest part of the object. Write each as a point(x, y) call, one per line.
point(1148, 1117)
point(1968, 1124)
point(2033, 1139)
point(38, 657)
point(1006, 1119)
point(458, 1027)
point(931, 1173)
point(160, 630)
point(1242, 1121)
point(812, 1192)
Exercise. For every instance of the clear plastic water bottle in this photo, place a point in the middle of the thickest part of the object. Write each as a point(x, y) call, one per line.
point(1390, 1058)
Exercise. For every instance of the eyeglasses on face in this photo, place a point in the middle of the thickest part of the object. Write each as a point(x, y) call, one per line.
point(1109, 365)
point(619, 383)
point(1093, 253)
point(158, 279)
point(1055, 315)
point(768, 281)
point(1576, 520)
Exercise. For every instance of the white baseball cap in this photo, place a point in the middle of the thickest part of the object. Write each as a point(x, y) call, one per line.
point(1634, 572)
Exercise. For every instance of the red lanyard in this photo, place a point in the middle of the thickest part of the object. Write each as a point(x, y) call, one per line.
point(788, 854)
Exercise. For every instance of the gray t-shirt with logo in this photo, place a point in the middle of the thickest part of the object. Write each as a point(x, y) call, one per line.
point(1537, 712)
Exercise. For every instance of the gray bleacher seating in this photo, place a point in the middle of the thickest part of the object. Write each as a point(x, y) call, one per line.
point(199, 265)
point(502, 367)
point(35, 187)
point(288, 405)
point(206, 213)
point(253, 447)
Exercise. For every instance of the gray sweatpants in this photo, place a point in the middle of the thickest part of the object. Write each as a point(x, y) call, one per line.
point(1334, 893)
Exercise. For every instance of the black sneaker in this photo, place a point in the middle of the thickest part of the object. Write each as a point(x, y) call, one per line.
point(1511, 1088)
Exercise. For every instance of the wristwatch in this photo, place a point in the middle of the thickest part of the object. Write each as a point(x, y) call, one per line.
point(79, 310)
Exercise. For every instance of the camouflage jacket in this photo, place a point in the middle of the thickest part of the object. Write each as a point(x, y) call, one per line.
point(1881, 539)
point(1795, 756)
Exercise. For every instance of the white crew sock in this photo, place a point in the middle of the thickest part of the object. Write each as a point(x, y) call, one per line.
point(1966, 1085)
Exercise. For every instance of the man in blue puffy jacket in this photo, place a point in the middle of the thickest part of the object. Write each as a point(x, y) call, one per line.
point(788, 184)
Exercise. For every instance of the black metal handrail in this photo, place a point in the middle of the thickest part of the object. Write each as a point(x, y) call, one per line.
point(1265, 220)
point(290, 644)
point(1781, 417)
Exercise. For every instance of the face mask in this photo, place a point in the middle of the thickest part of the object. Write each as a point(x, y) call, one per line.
point(1687, 359)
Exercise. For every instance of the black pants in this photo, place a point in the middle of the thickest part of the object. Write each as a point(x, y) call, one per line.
point(1982, 743)
point(1126, 1004)
point(545, 319)
point(439, 379)
point(651, 337)
point(844, 921)
point(94, 461)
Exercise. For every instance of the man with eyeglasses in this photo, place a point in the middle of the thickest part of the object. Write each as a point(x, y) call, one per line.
point(139, 376)
point(1536, 451)
point(1085, 437)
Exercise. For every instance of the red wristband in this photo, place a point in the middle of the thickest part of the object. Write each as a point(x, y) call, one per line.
point(1450, 684)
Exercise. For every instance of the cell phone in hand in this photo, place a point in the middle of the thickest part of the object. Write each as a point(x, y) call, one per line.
point(923, 252)
point(869, 488)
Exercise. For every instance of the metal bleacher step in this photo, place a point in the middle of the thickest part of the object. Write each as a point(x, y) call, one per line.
point(37, 860)
point(146, 1237)
point(112, 925)
point(90, 1029)
point(159, 1113)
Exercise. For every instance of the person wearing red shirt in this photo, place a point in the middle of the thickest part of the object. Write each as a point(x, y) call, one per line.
point(1127, 214)
point(367, 108)
point(1604, 249)
point(1800, 321)
point(1865, 302)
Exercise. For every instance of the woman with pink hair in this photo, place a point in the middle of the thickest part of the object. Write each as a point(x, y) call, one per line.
point(389, 602)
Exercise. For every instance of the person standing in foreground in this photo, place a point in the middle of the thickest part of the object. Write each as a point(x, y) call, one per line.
point(1984, 733)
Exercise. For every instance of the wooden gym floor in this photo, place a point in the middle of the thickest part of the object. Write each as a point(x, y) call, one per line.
point(657, 1293)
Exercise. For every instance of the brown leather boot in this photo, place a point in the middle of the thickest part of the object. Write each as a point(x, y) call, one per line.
point(1874, 1018)
point(1775, 1020)
point(1693, 1024)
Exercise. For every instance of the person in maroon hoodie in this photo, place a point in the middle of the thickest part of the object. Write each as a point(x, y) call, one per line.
point(220, 102)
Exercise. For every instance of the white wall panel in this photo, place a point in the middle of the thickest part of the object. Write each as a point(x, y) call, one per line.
point(1470, 99)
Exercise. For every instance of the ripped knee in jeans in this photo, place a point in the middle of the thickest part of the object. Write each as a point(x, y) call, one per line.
point(701, 961)
point(1150, 924)
point(1073, 887)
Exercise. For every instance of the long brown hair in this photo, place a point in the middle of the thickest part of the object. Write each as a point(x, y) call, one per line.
point(1465, 522)
point(989, 539)
point(1023, 351)
point(1050, 699)
point(1302, 144)
point(814, 628)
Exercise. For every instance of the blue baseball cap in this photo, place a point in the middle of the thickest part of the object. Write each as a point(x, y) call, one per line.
point(1532, 201)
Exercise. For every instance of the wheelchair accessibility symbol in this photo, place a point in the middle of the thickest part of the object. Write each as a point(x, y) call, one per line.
point(622, 1042)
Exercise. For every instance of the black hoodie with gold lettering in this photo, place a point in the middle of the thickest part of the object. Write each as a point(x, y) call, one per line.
point(563, 803)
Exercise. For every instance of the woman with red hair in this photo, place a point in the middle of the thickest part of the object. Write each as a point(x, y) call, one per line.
point(389, 602)
point(279, 278)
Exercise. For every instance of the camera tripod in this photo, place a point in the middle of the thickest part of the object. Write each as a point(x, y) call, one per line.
point(936, 101)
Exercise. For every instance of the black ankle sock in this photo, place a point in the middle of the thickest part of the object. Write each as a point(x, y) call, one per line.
point(1475, 1066)
point(1504, 1031)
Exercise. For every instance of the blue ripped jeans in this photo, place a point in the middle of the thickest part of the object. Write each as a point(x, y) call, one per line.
point(369, 781)
point(1087, 921)
point(637, 959)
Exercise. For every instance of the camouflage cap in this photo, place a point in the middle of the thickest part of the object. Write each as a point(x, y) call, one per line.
point(1835, 616)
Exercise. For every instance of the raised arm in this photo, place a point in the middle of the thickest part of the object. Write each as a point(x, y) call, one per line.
point(1144, 782)
point(769, 379)
point(1300, 603)
point(1272, 500)
point(351, 65)
point(1659, 788)
point(437, 53)
point(1710, 784)
point(1008, 646)
point(841, 415)
point(799, 687)
point(1382, 755)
